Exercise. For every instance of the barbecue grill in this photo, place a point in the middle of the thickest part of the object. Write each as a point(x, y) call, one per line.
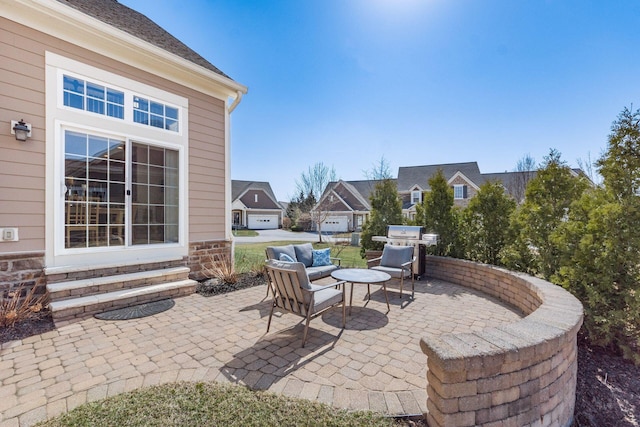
point(410, 235)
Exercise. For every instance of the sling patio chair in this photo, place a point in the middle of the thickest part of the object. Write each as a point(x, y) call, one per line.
point(294, 293)
point(397, 262)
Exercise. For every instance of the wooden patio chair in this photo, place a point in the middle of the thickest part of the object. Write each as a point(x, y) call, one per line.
point(294, 293)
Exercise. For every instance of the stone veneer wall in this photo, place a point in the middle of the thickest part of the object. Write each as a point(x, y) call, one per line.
point(518, 374)
point(22, 269)
point(202, 255)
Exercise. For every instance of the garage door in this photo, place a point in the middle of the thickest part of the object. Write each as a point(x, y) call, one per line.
point(335, 224)
point(262, 222)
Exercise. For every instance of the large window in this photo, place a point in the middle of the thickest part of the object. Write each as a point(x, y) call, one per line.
point(96, 212)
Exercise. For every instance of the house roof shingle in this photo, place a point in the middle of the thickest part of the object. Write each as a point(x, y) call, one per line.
point(238, 188)
point(409, 176)
point(138, 25)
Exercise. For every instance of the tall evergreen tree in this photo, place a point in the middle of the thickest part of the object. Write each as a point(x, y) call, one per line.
point(437, 214)
point(546, 206)
point(485, 223)
point(386, 209)
point(601, 241)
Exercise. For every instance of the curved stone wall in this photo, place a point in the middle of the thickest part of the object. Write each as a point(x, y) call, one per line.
point(518, 374)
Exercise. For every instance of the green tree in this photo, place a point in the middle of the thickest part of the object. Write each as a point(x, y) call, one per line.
point(437, 215)
point(601, 241)
point(485, 223)
point(546, 206)
point(386, 209)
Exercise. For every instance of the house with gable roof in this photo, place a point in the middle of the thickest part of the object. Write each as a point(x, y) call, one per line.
point(347, 202)
point(254, 206)
point(121, 189)
point(347, 205)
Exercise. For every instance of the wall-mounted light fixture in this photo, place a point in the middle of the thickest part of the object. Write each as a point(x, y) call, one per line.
point(21, 130)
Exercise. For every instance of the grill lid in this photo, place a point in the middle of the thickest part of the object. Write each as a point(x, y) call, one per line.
point(404, 232)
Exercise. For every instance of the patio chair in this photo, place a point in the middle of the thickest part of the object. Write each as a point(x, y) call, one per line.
point(397, 261)
point(294, 293)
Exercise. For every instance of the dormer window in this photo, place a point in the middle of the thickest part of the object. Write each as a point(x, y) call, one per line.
point(416, 197)
point(255, 198)
point(459, 192)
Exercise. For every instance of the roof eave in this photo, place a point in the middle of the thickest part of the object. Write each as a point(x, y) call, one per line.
point(74, 26)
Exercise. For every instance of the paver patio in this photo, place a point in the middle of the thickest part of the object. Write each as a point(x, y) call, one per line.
point(374, 363)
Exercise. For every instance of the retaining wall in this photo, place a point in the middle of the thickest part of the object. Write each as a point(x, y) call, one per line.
point(518, 374)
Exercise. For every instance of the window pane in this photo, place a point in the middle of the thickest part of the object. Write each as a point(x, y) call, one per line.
point(157, 108)
point(95, 91)
point(98, 168)
point(140, 153)
point(116, 193)
point(116, 171)
point(140, 193)
point(171, 113)
point(116, 150)
point(156, 234)
point(156, 121)
point(140, 104)
point(140, 234)
point(156, 156)
point(171, 125)
point(156, 175)
point(76, 167)
point(171, 159)
point(98, 146)
point(116, 111)
point(73, 85)
point(73, 100)
point(95, 106)
point(140, 117)
point(156, 195)
point(75, 143)
point(115, 97)
point(140, 173)
point(171, 234)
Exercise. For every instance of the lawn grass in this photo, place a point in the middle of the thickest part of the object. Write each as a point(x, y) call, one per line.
point(210, 404)
point(245, 233)
point(251, 256)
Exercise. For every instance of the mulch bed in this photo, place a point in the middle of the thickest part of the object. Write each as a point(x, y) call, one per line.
point(608, 387)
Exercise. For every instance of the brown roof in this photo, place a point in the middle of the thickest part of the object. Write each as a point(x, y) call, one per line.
point(138, 25)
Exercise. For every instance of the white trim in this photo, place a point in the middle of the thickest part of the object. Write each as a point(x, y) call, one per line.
point(463, 176)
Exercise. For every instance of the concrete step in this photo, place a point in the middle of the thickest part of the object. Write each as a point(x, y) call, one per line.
point(85, 306)
point(99, 285)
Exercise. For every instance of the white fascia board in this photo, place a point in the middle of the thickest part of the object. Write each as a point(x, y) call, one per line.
point(461, 175)
point(66, 23)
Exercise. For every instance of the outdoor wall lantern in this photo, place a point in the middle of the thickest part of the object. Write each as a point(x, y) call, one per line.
point(21, 130)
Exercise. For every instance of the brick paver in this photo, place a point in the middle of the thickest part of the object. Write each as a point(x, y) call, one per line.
point(374, 363)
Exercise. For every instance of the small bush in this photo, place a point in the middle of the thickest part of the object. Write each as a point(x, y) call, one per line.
point(14, 308)
point(221, 267)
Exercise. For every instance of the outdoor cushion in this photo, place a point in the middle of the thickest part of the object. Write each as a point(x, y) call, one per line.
point(301, 271)
point(324, 298)
point(395, 256)
point(275, 251)
point(320, 272)
point(287, 258)
point(304, 253)
point(394, 272)
point(321, 257)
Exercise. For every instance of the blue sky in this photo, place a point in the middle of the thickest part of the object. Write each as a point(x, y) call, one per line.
point(346, 82)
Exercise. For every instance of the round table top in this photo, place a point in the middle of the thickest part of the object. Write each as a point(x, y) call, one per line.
point(360, 275)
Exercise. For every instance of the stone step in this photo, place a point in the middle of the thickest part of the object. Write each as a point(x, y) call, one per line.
point(85, 306)
point(99, 285)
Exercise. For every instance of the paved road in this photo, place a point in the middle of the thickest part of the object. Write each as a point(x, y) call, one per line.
point(278, 235)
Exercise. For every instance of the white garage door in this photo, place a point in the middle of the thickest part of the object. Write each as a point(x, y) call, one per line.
point(335, 224)
point(262, 222)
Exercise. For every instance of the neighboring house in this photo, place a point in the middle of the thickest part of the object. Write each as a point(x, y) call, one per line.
point(125, 175)
point(254, 206)
point(345, 205)
point(413, 182)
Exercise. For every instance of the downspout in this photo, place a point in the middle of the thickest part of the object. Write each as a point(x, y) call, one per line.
point(235, 102)
point(230, 109)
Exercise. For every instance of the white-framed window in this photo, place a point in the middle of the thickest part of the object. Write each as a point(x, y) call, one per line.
point(416, 197)
point(85, 93)
point(459, 192)
point(118, 185)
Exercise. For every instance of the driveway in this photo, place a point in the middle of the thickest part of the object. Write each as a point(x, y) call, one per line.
point(278, 235)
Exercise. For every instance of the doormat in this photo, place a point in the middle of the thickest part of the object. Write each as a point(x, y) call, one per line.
point(137, 311)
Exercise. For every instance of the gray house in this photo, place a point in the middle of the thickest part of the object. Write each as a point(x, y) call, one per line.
point(255, 206)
